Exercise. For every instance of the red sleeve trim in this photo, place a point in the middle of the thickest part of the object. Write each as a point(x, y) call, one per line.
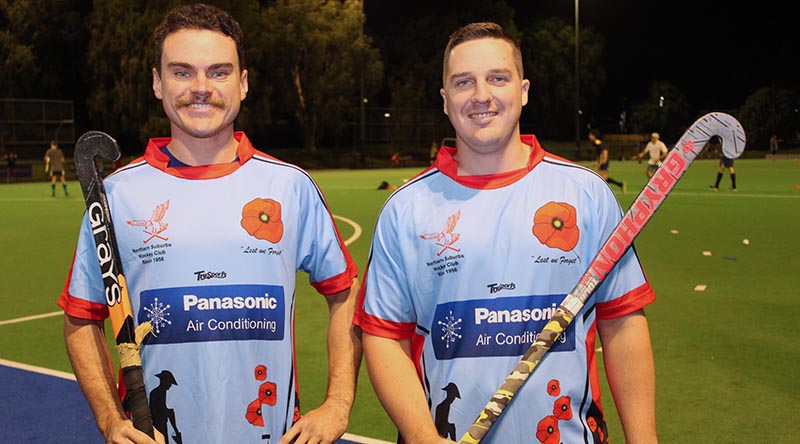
point(342, 281)
point(634, 300)
point(380, 327)
point(81, 308)
point(339, 282)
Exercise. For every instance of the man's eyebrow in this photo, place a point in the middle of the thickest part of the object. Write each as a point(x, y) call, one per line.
point(178, 65)
point(215, 66)
point(500, 71)
point(190, 66)
point(460, 75)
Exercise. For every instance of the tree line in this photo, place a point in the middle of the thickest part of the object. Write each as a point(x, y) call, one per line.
point(314, 64)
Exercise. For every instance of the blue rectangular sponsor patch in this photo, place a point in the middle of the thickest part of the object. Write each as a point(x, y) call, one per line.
point(214, 313)
point(494, 327)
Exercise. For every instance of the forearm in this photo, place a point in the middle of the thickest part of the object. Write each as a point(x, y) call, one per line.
point(628, 360)
point(344, 349)
point(398, 387)
point(91, 363)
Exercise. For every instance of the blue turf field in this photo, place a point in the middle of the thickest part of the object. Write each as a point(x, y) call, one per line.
point(42, 406)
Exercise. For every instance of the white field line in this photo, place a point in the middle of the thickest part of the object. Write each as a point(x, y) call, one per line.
point(31, 318)
point(35, 369)
point(356, 228)
point(364, 439)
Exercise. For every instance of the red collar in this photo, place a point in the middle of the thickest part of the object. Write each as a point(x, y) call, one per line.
point(446, 163)
point(155, 157)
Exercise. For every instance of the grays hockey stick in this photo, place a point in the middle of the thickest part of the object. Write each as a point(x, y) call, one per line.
point(91, 145)
point(647, 202)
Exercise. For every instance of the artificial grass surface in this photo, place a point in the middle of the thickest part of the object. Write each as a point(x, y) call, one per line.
point(724, 356)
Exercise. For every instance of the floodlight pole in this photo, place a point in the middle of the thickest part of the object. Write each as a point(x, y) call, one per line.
point(577, 88)
point(362, 133)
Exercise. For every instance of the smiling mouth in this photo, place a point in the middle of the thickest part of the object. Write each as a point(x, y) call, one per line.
point(199, 106)
point(483, 115)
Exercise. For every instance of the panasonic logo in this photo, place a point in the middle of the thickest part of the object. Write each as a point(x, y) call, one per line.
point(266, 302)
point(485, 315)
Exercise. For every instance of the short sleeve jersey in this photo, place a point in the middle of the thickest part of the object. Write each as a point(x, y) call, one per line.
point(211, 255)
point(56, 158)
point(655, 150)
point(471, 268)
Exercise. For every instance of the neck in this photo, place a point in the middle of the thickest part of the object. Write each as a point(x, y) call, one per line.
point(220, 148)
point(510, 156)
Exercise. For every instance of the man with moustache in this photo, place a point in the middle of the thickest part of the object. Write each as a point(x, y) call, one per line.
point(205, 203)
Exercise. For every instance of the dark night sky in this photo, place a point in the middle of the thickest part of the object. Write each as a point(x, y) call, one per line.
point(716, 52)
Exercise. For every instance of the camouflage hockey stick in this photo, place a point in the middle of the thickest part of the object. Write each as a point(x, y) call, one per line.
point(642, 209)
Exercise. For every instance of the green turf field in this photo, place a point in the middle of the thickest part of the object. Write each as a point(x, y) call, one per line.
point(725, 356)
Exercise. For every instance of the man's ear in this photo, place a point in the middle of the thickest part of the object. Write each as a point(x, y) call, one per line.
point(444, 100)
point(526, 86)
point(243, 83)
point(157, 85)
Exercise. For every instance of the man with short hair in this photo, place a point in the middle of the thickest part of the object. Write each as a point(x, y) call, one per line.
point(657, 151)
point(55, 164)
point(211, 234)
point(470, 259)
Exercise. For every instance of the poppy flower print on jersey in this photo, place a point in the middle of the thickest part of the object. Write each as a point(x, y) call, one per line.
point(562, 408)
point(253, 414)
point(266, 393)
point(554, 387)
point(261, 372)
point(556, 225)
point(547, 431)
point(261, 218)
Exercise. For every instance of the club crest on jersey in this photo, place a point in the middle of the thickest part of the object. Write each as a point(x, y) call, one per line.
point(555, 224)
point(447, 237)
point(155, 226)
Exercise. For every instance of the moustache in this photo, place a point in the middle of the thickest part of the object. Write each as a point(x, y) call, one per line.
point(180, 103)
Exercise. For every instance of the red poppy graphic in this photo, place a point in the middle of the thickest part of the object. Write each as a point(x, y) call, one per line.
point(267, 394)
point(554, 387)
point(253, 414)
point(261, 372)
point(296, 416)
point(562, 409)
point(592, 424)
point(547, 431)
point(261, 218)
point(556, 225)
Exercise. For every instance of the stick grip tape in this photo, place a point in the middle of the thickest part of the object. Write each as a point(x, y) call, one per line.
point(136, 399)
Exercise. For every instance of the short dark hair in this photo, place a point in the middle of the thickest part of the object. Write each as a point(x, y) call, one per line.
point(198, 16)
point(476, 31)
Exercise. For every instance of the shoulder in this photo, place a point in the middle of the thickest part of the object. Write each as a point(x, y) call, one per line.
point(287, 172)
point(561, 170)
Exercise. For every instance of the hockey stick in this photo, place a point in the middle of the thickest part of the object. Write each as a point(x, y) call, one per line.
point(642, 209)
point(89, 146)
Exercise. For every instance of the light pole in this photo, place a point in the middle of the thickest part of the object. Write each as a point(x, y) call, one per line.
point(577, 88)
point(362, 132)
